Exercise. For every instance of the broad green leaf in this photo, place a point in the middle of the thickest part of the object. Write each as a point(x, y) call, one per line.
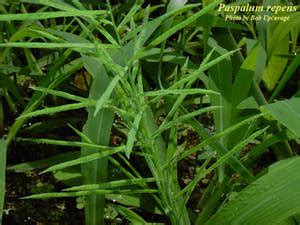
point(255, 61)
point(70, 176)
point(97, 129)
point(259, 203)
point(220, 80)
point(278, 44)
point(2, 175)
point(281, 31)
point(286, 76)
point(276, 64)
point(251, 67)
point(248, 103)
point(287, 112)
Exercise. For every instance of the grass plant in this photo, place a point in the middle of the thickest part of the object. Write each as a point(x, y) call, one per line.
point(148, 72)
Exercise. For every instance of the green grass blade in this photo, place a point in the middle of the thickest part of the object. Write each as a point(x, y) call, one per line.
point(2, 175)
point(48, 15)
point(75, 46)
point(87, 193)
point(60, 94)
point(130, 14)
point(221, 161)
point(202, 68)
point(54, 78)
point(57, 109)
point(220, 134)
point(219, 148)
point(67, 143)
point(51, 3)
point(184, 23)
point(183, 118)
point(106, 95)
point(187, 91)
point(133, 132)
point(148, 28)
point(84, 159)
point(81, 135)
point(112, 184)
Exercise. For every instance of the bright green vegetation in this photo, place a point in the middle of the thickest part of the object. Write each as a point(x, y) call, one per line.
point(150, 74)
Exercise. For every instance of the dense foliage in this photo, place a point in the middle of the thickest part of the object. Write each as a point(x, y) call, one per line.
point(148, 112)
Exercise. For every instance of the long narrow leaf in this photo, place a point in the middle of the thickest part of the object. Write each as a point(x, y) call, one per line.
point(67, 143)
point(132, 133)
point(2, 175)
point(86, 193)
point(184, 23)
point(179, 92)
point(56, 45)
point(48, 15)
point(57, 109)
point(84, 159)
point(222, 160)
point(60, 94)
point(219, 135)
point(112, 184)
